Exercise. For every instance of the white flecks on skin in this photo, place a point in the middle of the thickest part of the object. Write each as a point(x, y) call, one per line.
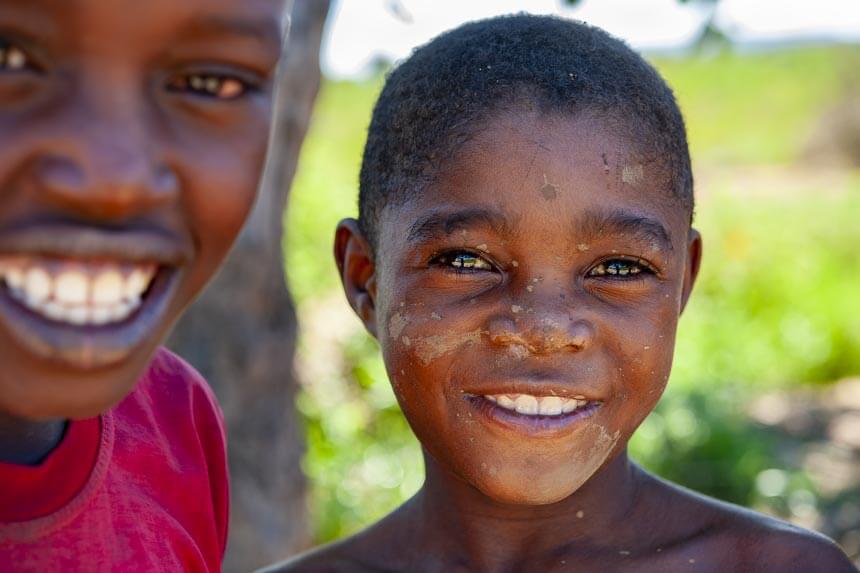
point(482, 247)
point(429, 348)
point(632, 174)
point(530, 288)
point(515, 264)
point(435, 316)
point(548, 190)
point(580, 514)
point(516, 308)
point(406, 341)
point(396, 324)
point(582, 247)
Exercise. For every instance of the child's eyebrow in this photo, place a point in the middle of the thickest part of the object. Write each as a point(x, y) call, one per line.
point(441, 223)
point(594, 224)
point(266, 31)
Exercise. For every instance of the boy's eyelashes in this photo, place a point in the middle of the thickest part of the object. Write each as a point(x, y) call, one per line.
point(621, 268)
point(462, 261)
point(213, 85)
point(611, 268)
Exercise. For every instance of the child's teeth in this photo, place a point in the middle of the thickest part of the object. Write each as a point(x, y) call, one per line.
point(536, 405)
point(76, 292)
point(526, 404)
point(71, 288)
point(37, 286)
point(136, 283)
point(14, 277)
point(108, 288)
point(549, 406)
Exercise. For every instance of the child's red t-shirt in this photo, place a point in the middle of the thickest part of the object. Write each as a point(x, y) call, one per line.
point(142, 487)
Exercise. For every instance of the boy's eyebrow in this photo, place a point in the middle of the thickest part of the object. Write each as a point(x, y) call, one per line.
point(593, 224)
point(267, 31)
point(440, 223)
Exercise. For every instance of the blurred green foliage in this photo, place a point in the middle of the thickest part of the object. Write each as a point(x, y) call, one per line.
point(776, 305)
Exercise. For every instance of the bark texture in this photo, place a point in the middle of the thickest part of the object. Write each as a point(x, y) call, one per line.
point(241, 333)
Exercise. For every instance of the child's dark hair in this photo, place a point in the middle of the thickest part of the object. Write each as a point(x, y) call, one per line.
point(449, 88)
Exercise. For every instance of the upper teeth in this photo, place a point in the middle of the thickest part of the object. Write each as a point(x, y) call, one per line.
point(536, 405)
point(76, 292)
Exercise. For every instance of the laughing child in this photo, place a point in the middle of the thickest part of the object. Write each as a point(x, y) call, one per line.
point(132, 136)
point(522, 254)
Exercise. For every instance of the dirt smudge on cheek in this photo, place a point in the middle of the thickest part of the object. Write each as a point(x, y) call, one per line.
point(396, 324)
point(593, 458)
point(429, 348)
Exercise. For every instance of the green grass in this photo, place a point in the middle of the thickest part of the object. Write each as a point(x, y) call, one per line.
point(776, 305)
point(757, 108)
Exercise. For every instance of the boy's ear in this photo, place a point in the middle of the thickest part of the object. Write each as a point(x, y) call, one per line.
point(354, 260)
point(694, 262)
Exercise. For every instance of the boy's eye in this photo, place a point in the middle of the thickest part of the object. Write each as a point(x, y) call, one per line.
point(463, 260)
point(619, 268)
point(217, 86)
point(12, 58)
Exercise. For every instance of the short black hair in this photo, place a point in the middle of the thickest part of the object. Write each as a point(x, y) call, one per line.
point(446, 90)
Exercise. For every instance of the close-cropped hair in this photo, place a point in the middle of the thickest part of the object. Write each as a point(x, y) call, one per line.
point(447, 90)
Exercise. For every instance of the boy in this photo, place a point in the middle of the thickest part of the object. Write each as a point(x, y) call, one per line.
point(132, 136)
point(522, 255)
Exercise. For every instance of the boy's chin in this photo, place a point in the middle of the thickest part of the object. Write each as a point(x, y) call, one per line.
point(522, 486)
point(68, 399)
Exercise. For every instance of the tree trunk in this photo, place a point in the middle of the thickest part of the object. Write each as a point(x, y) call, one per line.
point(241, 333)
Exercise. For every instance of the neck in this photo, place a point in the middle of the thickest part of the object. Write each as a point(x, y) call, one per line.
point(27, 442)
point(468, 527)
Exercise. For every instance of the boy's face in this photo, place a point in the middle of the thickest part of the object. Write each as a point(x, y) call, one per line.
point(548, 262)
point(132, 136)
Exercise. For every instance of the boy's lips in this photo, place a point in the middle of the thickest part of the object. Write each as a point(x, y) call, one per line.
point(85, 298)
point(537, 409)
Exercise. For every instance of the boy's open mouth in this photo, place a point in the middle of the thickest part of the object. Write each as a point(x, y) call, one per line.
point(84, 296)
point(529, 405)
point(532, 414)
point(77, 292)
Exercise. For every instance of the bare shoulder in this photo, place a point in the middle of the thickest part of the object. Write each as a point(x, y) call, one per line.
point(745, 540)
point(789, 548)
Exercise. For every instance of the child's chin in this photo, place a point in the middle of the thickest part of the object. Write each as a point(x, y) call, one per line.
point(79, 400)
point(526, 488)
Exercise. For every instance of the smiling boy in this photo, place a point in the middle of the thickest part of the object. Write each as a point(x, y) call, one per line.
point(132, 136)
point(523, 254)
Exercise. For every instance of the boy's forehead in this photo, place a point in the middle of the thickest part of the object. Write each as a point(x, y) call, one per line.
point(529, 174)
point(265, 20)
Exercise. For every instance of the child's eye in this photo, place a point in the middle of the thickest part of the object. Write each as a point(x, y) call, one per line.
point(12, 58)
point(216, 86)
point(462, 260)
point(619, 268)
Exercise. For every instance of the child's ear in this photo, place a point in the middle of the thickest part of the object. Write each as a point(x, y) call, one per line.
point(694, 261)
point(357, 271)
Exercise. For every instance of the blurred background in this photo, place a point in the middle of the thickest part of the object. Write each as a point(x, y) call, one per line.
point(763, 407)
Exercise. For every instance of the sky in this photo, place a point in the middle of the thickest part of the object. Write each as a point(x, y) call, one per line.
point(360, 32)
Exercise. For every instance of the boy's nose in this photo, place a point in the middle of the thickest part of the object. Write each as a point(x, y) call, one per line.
point(541, 331)
point(101, 165)
point(113, 188)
